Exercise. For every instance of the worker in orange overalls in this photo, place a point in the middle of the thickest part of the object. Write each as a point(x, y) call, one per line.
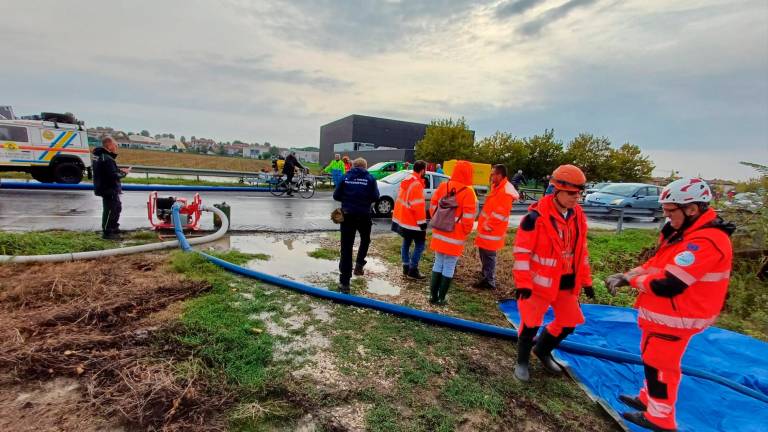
point(448, 244)
point(682, 290)
point(551, 268)
point(492, 224)
point(409, 219)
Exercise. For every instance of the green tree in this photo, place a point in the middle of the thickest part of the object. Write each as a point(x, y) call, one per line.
point(274, 151)
point(183, 139)
point(221, 150)
point(592, 154)
point(502, 148)
point(447, 139)
point(628, 164)
point(145, 133)
point(545, 153)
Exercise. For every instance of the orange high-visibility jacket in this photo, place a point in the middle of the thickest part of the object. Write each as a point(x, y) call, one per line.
point(541, 256)
point(410, 207)
point(494, 218)
point(452, 243)
point(684, 284)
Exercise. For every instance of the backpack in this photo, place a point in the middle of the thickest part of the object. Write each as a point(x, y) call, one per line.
point(444, 218)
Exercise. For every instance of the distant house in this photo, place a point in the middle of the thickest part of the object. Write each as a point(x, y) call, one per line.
point(254, 151)
point(142, 142)
point(168, 144)
point(203, 145)
point(235, 149)
point(302, 155)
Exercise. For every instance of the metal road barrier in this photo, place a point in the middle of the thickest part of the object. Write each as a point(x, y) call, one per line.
point(606, 212)
point(190, 171)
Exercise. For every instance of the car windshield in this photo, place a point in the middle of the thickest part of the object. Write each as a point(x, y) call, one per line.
point(395, 178)
point(600, 186)
point(377, 166)
point(621, 189)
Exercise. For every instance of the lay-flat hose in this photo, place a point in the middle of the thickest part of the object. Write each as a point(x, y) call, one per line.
point(75, 256)
point(132, 187)
point(453, 322)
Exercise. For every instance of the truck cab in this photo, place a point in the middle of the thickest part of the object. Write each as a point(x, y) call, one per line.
point(51, 148)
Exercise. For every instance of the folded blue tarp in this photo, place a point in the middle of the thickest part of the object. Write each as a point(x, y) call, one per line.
point(702, 405)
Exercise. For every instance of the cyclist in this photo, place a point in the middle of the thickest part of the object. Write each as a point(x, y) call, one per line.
point(291, 163)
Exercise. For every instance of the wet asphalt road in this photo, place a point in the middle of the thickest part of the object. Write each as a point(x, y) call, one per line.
point(31, 210)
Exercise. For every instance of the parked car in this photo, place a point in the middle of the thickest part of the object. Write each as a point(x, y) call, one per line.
point(383, 169)
point(595, 187)
point(389, 187)
point(637, 195)
point(746, 200)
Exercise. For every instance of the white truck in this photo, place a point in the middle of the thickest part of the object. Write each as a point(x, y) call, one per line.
point(50, 147)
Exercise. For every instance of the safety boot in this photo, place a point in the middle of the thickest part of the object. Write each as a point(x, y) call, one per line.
point(413, 273)
point(434, 287)
point(524, 345)
point(445, 283)
point(543, 351)
point(639, 419)
point(633, 402)
point(406, 269)
point(359, 268)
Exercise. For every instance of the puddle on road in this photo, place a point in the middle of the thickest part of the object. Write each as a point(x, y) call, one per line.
point(288, 258)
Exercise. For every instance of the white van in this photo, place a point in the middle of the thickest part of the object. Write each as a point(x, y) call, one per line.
point(52, 149)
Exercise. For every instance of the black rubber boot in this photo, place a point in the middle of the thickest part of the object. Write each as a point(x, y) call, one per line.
point(633, 402)
point(413, 273)
point(639, 419)
point(479, 284)
point(445, 284)
point(406, 269)
point(359, 269)
point(434, 287)
point(344, 288)
point(543, 351)
point(524, 345)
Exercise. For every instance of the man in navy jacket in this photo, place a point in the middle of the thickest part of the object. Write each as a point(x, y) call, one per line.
point(106, 184)
point(356, 191)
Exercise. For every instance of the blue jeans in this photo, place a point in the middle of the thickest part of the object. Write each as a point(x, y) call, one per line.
point(445, 264)
point(337, 176)
point(412, 260)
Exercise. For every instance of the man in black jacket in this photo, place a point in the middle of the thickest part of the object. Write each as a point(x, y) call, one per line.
point(290, 165)
point(356, 191)
point(106, 184)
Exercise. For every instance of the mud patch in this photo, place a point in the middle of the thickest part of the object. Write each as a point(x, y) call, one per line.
point(97, 324)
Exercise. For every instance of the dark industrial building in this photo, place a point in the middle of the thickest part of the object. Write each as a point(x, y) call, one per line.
point(373, 138)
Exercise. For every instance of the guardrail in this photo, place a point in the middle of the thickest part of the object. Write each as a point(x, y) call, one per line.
point(608, 212)
point(190, 171)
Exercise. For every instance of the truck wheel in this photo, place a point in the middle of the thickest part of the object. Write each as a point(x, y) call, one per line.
point(383, 207)
point(43, 175)
point(68, 173)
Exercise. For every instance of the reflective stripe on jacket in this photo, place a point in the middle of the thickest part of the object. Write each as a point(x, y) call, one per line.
point(684, 285)
point(410, 206)
point(494, 218)
point(540, 253)
point(452, 243)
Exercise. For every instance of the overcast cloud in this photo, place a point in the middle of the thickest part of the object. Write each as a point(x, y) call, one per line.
point(685, 80)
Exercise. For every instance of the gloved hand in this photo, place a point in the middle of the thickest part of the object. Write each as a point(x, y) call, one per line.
point(522, 293)
point(614, 281)
point(589, 291)
point(423, 226)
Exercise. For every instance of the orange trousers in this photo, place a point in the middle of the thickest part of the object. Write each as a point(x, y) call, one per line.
point(662, 350)
point(565, 306)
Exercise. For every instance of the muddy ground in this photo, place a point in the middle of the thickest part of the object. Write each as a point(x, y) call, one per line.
point(79, 351)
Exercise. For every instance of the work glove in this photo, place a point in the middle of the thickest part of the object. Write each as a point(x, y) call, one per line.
point(614, 281)
point(423, 226)
point(589, 291)
point(522, 293)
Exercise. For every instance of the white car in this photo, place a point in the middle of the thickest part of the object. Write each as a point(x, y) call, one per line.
point(389, 187)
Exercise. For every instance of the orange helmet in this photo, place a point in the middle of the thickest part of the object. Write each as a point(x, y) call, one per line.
point(568, 178)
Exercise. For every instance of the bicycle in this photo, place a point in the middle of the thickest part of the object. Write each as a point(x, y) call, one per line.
point(303, 183)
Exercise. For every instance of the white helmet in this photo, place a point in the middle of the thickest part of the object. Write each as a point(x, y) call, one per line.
point(686, 191)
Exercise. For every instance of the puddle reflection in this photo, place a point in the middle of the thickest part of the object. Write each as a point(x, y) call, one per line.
point(289, 258)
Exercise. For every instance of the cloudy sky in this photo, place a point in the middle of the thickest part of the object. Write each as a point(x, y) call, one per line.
point(685, 80)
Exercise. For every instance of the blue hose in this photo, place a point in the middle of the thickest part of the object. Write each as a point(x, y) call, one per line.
point(448, 321)
point(131, 187)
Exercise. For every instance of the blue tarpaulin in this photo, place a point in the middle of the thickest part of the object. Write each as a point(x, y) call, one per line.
point(703, 405)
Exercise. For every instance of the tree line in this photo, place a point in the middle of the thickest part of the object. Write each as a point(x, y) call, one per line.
point(537, 155)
